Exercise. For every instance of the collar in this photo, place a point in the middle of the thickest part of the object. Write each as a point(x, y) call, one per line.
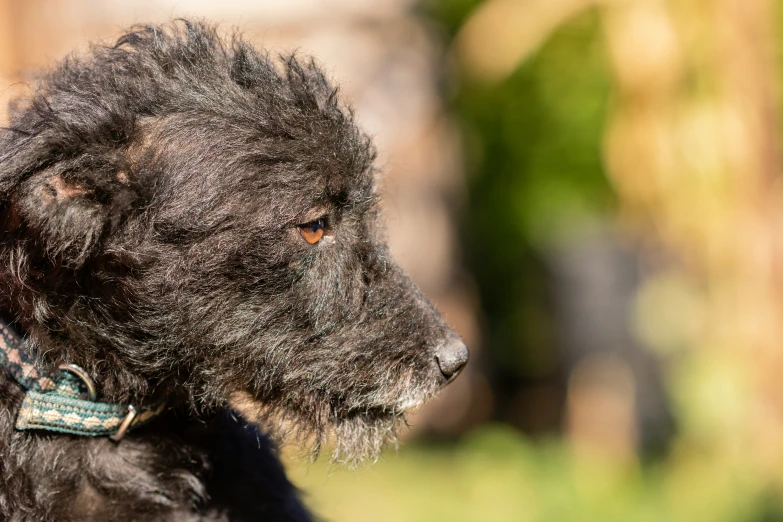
point(54, 403)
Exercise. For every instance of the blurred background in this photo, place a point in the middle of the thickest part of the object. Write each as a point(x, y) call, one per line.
point(590, 190)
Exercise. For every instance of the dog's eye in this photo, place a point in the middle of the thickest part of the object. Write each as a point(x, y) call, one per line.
point(313, 231)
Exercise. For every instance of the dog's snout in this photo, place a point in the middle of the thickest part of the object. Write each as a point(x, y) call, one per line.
point(452, 357)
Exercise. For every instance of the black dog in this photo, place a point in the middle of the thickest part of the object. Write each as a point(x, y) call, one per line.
point(189, 223)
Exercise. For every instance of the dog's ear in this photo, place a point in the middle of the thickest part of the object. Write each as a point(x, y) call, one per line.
point(69, 211)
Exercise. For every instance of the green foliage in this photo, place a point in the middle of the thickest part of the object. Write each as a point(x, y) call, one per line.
point(535, 180)
point(497, 475)
point(534, 141)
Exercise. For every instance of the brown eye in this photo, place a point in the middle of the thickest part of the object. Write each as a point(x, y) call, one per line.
point(313, 231)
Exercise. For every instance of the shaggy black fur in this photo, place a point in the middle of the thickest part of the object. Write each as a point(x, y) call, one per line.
point(151, 199)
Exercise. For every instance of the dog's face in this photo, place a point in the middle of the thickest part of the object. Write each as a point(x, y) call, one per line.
point(185, 217)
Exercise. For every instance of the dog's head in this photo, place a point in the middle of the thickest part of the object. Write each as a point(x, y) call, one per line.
point(186, 216)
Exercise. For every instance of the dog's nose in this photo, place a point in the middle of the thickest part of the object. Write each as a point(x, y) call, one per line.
point(452, 357)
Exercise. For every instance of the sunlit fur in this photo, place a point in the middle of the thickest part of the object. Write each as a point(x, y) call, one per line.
point(150, 194)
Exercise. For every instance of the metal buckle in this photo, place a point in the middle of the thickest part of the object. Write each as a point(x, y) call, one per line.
point(126, 422)
point(84, 376)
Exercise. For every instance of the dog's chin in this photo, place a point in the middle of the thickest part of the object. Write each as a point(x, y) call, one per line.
point(354, 436)
point(361, 437)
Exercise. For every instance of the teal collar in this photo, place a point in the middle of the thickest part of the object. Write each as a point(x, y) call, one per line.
point(54, 403)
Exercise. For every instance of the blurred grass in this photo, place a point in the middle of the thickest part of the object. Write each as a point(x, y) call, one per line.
point(497, 475)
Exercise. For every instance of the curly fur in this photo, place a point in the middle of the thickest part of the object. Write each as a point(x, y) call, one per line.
point(150, 194)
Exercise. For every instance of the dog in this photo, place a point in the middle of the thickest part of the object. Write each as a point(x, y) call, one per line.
point(190, 224)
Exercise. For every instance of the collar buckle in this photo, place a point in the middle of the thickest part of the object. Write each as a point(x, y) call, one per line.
point(126, 423)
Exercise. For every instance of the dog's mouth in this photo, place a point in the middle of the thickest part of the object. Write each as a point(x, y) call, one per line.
point(353, 433)
point(361, 435)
